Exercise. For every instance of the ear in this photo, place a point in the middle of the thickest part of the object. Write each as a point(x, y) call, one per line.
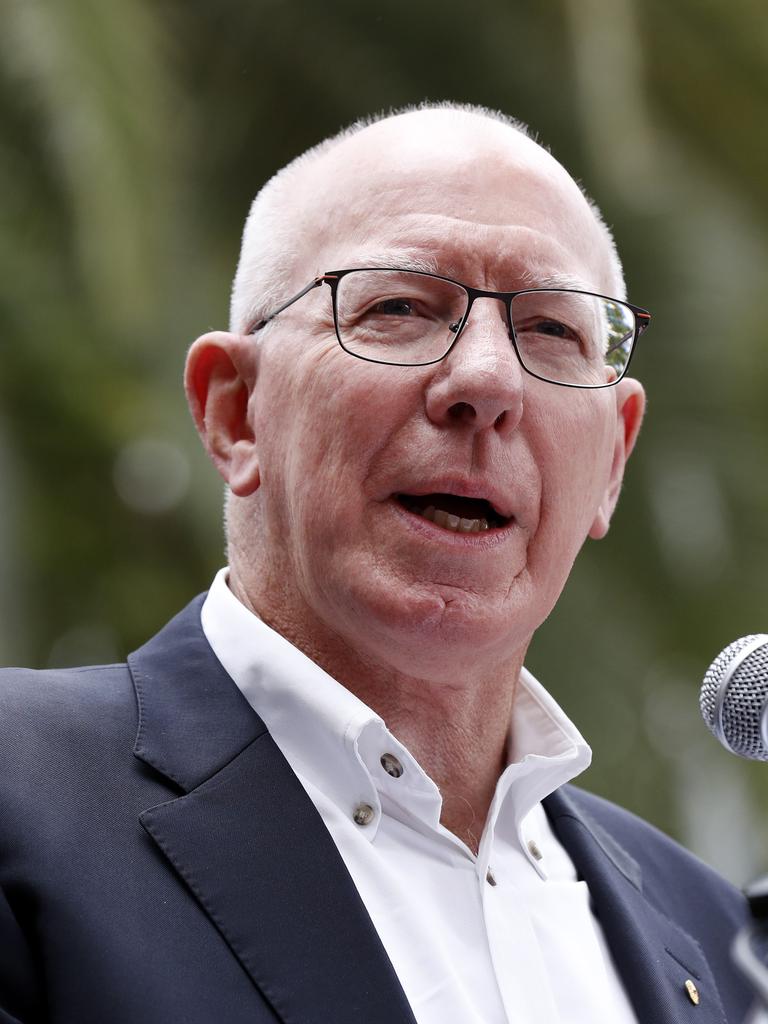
point(219, 377)
point(630, 405)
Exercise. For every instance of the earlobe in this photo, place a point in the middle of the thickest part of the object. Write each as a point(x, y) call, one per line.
point(630, 405)
point(219, 379)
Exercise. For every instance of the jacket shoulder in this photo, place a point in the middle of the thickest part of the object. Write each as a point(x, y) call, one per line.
point(50, 714)
point(30, 691)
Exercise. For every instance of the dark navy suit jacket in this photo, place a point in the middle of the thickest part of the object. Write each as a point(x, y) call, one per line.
point(160, 863)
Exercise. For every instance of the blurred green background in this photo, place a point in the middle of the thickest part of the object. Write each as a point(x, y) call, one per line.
point(134, 134)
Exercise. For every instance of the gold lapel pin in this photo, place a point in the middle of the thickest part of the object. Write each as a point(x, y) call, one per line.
point(693, 992)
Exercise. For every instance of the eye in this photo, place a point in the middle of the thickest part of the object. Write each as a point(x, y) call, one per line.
point(552, 328)
point(394, 307)
point(542, 329)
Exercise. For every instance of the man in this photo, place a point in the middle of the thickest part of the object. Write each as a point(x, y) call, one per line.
point(317, 795)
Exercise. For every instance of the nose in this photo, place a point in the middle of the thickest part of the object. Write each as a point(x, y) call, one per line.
point(480, 382)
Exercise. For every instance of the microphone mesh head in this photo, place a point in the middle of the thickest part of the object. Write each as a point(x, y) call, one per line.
point(740, 707)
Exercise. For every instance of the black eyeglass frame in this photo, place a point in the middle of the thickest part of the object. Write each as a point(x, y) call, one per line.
point(333, 277)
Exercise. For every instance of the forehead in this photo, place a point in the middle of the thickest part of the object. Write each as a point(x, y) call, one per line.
point(459, 194)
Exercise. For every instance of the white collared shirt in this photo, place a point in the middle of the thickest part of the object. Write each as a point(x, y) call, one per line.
point(505, 936)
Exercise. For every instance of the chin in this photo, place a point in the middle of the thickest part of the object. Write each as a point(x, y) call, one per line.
point(432, 632)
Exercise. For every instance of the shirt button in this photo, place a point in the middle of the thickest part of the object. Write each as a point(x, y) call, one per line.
point(534, 851)
point(391, 765)
point(489, 878)
point(363, 814)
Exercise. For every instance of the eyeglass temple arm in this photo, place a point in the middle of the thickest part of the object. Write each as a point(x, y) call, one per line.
point(263, 323)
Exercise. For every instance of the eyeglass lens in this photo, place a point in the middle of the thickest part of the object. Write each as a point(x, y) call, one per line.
point(393, 316)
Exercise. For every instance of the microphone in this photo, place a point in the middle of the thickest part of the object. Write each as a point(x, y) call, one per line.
point(734, 705)
point(734, 697)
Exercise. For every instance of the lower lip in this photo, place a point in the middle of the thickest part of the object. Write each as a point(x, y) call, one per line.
point(481, 540)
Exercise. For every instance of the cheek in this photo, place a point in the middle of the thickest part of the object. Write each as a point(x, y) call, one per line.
point(575, 454)
point(324, 427)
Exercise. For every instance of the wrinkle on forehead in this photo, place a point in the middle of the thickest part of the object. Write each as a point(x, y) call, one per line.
point(498, 259)
point(417, 179)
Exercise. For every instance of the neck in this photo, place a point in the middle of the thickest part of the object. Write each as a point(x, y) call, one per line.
point(456, 728)
point(457, 733)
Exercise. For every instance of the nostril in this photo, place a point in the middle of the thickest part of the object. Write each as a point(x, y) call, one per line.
point(462, 411)
point(500, 419)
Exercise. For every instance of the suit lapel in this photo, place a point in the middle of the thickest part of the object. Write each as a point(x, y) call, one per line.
point(251, 848)
point(250, 845)
point(654, 956)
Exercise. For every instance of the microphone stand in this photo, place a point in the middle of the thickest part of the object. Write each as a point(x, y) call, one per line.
point(750, 947)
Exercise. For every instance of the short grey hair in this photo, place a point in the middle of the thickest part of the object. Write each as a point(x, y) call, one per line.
point(270, 243)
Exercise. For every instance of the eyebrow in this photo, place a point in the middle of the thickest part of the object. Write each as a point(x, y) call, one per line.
point(396, 259)
point(407, 259)
point(568, 281)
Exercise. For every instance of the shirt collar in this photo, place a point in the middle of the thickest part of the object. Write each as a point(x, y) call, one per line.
point(332, 738)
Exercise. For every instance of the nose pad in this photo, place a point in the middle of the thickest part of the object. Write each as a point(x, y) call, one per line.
point(508, 318)
point(487, 326)
point(454, 327)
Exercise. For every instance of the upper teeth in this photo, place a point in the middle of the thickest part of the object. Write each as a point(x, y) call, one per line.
point(451, 522)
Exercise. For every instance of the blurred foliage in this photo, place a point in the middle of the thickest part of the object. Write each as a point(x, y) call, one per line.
point(135, 134)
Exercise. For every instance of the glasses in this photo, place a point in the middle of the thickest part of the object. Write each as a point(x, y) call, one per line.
point(411, 318)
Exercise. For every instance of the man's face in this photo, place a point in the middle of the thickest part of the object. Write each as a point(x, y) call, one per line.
point(347, 449)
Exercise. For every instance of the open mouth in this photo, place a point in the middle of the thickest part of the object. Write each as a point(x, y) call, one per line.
point(454, 511)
